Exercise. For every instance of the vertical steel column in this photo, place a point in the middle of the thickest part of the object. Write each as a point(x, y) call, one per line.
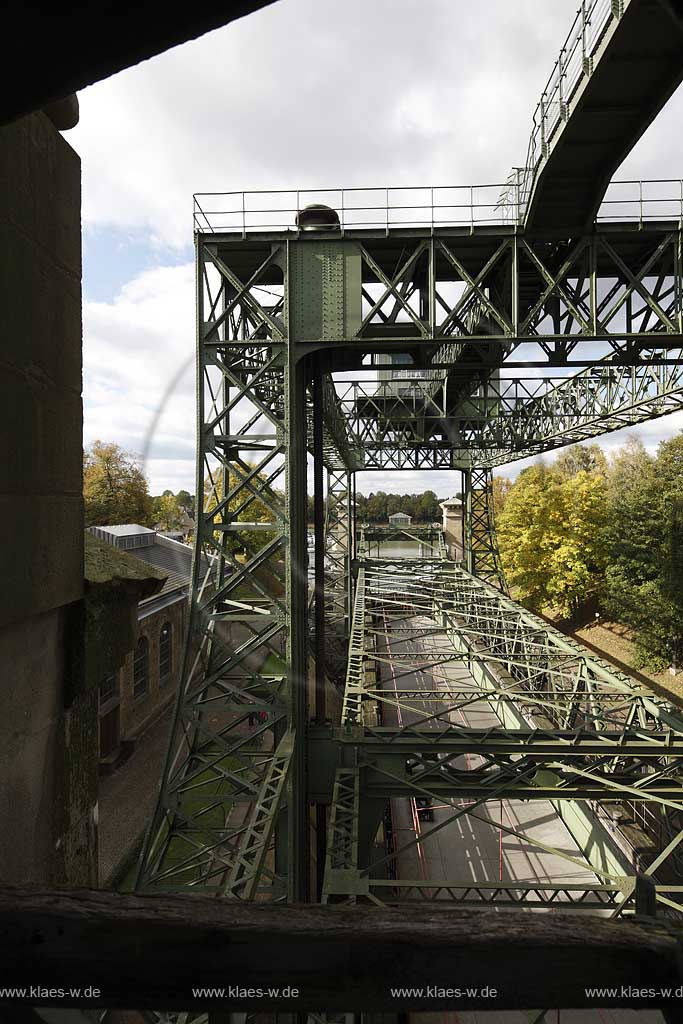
point(319, 606)
point(319, 527)
point(219, 809)
point(350, 544)
point(482, 557)
point(297, 601)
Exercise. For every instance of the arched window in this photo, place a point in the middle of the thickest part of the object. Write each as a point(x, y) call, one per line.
point(141, 667)
point(165, 653)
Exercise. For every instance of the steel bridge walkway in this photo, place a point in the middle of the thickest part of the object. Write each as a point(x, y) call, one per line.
point(618, 67)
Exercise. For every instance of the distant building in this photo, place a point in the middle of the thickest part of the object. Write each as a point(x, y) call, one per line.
point(400, 519)
point(134, 696)
point(452, 525)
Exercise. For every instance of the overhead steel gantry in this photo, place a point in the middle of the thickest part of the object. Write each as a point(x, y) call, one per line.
point(294, 320)
point(280, 309)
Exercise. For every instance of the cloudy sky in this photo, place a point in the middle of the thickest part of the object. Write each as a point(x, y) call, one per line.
point(304, 94)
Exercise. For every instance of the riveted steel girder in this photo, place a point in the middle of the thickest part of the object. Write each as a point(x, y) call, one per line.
point(235, 754)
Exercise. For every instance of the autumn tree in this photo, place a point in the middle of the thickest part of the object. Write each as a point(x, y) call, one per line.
point(501, 488)
point(167, 512)
point(115, 489)
point(551, 537)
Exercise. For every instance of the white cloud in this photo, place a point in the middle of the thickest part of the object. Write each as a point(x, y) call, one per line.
point(135, 349)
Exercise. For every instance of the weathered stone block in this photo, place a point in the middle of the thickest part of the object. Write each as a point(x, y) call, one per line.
point(43, 553)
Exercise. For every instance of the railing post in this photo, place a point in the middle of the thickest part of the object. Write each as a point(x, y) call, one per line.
point(472, 208)
point(542, 108)
point(387, 211)
point(244, 219)
point(583, 37)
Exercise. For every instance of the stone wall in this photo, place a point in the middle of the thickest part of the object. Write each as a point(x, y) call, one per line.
point(47, 713)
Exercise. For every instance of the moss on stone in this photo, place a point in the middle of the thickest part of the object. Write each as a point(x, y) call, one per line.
point(104, 564)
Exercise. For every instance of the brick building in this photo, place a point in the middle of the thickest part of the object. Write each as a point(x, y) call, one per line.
point(134, 696)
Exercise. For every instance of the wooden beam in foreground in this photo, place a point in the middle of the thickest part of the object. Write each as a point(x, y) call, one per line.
point(154, 952)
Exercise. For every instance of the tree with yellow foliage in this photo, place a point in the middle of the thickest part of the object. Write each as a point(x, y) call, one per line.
point(551, 534)
point(114, 487)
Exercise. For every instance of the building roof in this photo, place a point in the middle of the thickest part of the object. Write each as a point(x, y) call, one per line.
point(126, 530)
point(104, 563)
point(399, 515)
point(158, 558)
point(450, 503)
point(174, 558)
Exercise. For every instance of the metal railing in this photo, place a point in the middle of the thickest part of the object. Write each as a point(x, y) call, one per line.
point(573, 66)
point(464, 207)
point(467, 206)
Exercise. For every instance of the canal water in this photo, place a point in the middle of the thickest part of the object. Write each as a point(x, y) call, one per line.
point(400, 549)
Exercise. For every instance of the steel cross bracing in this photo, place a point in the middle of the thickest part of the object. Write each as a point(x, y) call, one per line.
point(235, 755)
point(481, 544)
point(462, 307)
point(338, 582)
point(339, 521)
point(568, 728)
point(601, 302)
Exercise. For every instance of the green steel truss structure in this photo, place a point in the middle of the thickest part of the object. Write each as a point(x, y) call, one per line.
point(293, 329)
point(570, 730)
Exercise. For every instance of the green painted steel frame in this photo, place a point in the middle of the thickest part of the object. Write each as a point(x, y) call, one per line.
point(575, 728)
point(231, 815)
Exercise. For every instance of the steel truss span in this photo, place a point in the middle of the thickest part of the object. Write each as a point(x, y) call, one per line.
point(466, 314)
point(458, 696)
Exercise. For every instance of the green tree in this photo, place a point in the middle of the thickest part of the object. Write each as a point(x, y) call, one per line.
point(643, 579)
point(115, 489)
point(551, 537)
point(394, 503)
point(428, 510)
point(167, 512)
point(185, 500)
point(377, 507)
point(578, 516)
